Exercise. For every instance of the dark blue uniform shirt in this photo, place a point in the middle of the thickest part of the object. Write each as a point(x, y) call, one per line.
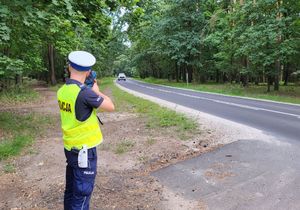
point(86, 101)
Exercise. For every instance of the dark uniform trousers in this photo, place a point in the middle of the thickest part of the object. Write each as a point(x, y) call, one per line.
point(79, 181)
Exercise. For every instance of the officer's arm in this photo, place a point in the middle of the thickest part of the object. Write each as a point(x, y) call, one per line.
point(107, 104)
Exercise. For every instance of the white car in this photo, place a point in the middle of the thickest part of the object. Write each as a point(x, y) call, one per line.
point(121, 76)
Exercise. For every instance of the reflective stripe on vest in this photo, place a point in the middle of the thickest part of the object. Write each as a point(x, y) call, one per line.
point(76, 133)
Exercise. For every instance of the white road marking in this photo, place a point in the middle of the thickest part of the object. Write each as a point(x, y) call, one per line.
point(221, 102)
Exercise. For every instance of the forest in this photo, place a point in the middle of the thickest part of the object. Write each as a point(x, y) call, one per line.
point(202, 41)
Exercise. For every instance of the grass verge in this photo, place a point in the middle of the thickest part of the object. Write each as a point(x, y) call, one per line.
point(290, 94)
point(124, 147)
point(19, 131)
point(157, 116)
point(17, 95)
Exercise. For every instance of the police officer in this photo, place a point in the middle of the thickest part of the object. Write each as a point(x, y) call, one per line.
point(81, 131)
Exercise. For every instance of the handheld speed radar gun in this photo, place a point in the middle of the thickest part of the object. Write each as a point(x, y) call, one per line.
point(89, 82)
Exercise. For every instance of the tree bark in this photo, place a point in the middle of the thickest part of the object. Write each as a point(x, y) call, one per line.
point(286, 73)
point(277, 62)
point(190, 73)
point(245, 80)
point(18, 79)
point(51, 64)
point(180, 72)
point(177, 73)
point(184, 72)
point(256, 80)
point(276, 78)
point(269, 84)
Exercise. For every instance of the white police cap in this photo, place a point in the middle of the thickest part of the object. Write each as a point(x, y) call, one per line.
point(81, 60)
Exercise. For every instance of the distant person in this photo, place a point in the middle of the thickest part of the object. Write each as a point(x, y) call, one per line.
point(81, 131)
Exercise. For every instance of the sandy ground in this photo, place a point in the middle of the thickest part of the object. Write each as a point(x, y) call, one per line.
point(123, 180)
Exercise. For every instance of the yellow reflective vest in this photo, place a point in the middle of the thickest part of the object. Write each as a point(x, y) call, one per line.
point(76, 133)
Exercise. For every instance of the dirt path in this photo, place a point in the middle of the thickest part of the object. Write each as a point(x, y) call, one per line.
point(123, 180)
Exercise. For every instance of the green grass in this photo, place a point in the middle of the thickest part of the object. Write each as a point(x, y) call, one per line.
point(150, 141)
point(124, 147)
point(157, 116)
point(17, 95)
point(290, 93)
point(105, 147)
point(19, 131)
point(9, 168)
point(104, 83)
point(143, 159)
point(55, 87)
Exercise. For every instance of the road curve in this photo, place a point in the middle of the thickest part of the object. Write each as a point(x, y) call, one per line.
point(278, 119)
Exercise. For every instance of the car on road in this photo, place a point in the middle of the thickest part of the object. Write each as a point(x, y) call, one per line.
point(121, 76)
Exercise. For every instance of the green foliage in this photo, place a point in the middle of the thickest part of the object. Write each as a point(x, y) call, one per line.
point(11, 67)
point(236, 41)
point(30, 29)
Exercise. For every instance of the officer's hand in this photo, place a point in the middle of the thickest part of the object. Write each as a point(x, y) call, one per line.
point(95, 87)
point(107, 104)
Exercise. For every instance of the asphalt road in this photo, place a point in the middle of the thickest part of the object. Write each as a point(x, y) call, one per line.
point(278, 119)
point(246, 174)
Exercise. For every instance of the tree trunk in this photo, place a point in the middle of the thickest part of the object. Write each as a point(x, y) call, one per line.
point(269, 84)
point(180, 72)
point(246, 81)
point(286, 73)
point(276, 78)
point(203, 78)
point(152, 68)
point(277, 62)
point(245, 77)
point(51, 64)
point(18, 79)
point(177, 72)
point(256, 80)
point(184, 72)
point(190, 73)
